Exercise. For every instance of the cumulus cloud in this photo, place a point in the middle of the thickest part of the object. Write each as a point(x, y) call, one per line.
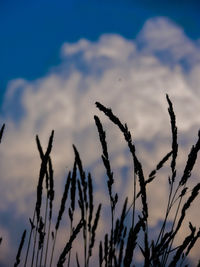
point(132, 77)
point(162, 37)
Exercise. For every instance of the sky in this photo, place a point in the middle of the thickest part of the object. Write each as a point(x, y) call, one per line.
point(59, 57)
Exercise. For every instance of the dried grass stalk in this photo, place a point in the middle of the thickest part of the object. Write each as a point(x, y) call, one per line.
point(42, 173)
point(17, 262)
point(1, 131)
point(68, 246)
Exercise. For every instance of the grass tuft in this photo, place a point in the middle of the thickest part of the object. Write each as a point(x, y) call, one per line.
point(128, 232)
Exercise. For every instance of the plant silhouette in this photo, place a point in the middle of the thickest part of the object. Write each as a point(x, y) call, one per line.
point(118, 246)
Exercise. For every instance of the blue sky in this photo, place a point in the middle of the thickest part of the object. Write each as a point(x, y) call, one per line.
point(58, 58)
point(32, 32)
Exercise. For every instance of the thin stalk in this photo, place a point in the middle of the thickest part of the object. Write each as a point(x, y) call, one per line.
point(29, 240)
point(89, 245)
point(47, 245)
point(134, 200)
point(41, 255)
point(20, 249)
point(34, 246)
point(111, 238)
point(60, 213)
point(37, 256)
point(166, 215)
point(54, 242)
point(69, 257)
point(85, 241)
point(174, 221)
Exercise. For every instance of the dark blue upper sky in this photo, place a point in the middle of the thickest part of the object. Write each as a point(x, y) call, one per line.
point(32, 32)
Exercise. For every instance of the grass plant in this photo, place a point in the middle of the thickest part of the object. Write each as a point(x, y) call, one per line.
point(118, 246)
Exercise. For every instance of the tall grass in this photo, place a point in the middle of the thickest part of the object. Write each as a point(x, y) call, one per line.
point(120, 245)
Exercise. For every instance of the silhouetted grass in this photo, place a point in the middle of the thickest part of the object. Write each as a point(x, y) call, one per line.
point(1, 131)
point(120, 245)
point(20, 249)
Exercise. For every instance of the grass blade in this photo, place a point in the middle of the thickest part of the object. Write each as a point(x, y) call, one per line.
point(68, 246)
point(17, 262)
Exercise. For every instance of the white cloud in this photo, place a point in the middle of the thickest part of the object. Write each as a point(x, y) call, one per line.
point(162, 35)
point(113, 47)
point(128, 76)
